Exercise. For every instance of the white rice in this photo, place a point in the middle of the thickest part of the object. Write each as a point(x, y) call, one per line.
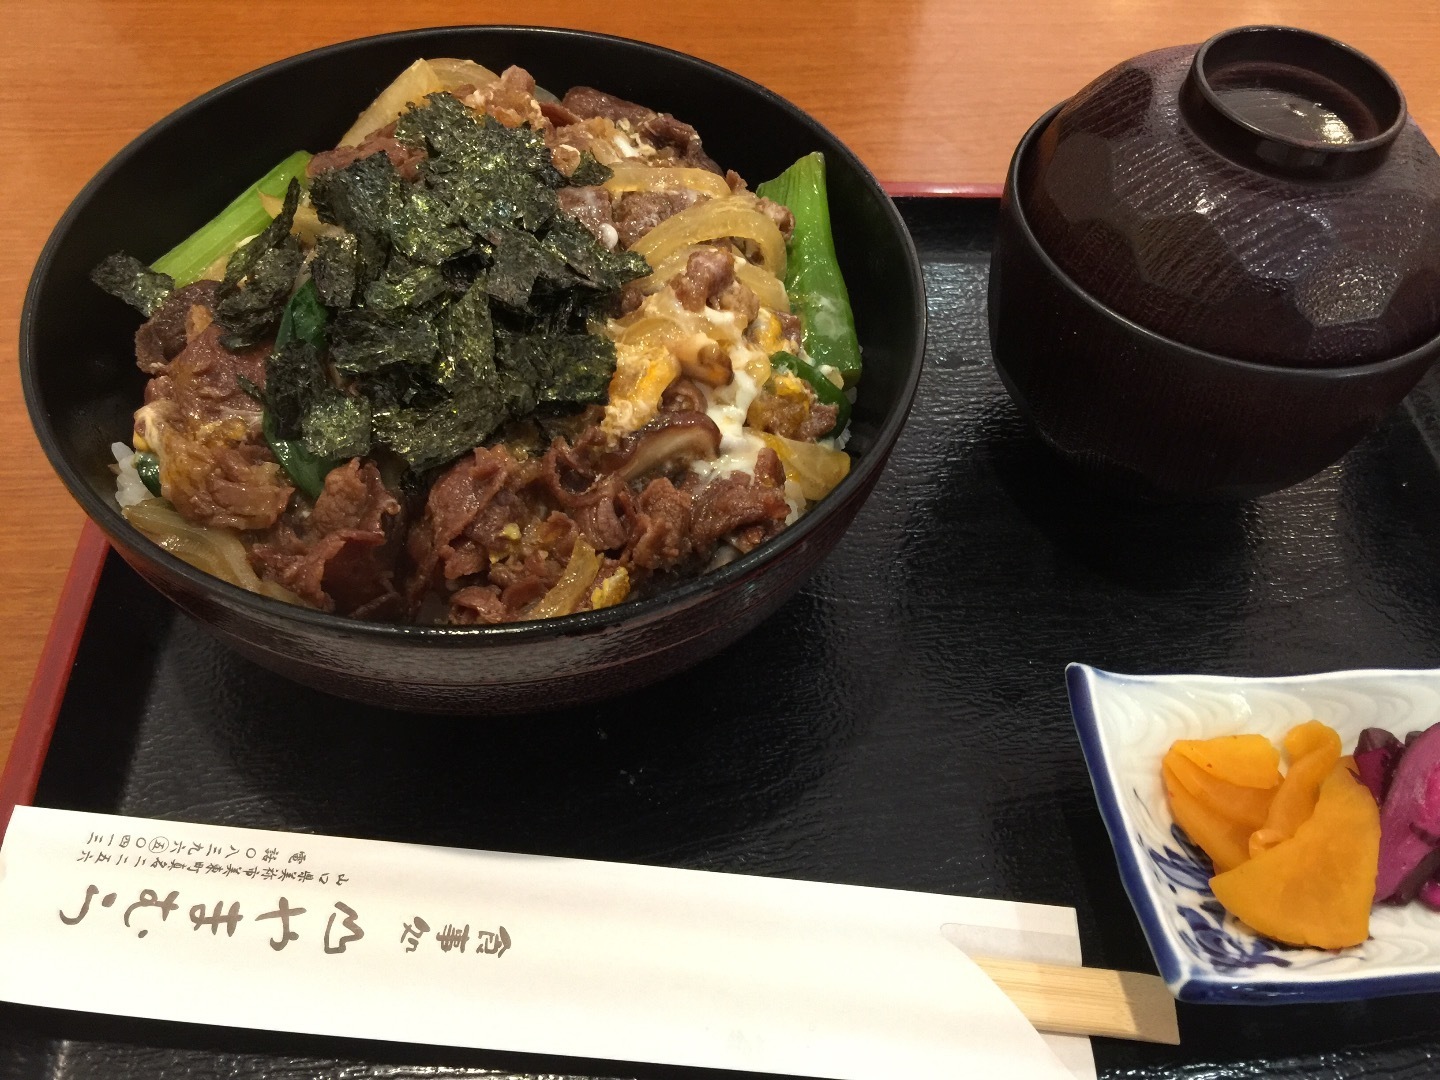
point(129, 488)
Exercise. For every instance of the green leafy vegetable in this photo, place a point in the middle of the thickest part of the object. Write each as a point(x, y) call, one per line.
point(304, 319)
point(297, 388)
point(148, 467)
point(812, 273)
point(245, 216)
point(305, 470)
point(129, 279)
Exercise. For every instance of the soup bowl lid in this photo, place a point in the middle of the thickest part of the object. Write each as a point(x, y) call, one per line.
point(1263, 195)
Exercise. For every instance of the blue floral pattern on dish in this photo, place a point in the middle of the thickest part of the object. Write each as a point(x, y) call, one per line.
point(1188, 873)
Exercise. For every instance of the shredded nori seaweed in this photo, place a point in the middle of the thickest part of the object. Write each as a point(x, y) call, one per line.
point(127, 278)
point(259, 278)
point(406, 285)
point(337, 426)
point(250, 309)
point(454, 304)
point(590, 172)
point(335, 269)
point(294, 381)
point(601, 268)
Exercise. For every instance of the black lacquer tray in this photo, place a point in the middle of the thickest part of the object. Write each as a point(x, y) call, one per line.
point(902, 722)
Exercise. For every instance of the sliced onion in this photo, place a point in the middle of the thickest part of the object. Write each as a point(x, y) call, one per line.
point(714, 220)
point(454, 73)
point(579, 574)
point(633, 176)
point(215, 551)
point(816, 468)
point(307, 225)
point(766, 286)
point(410, 87)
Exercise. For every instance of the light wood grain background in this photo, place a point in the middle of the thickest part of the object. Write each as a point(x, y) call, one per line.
point(922, 90)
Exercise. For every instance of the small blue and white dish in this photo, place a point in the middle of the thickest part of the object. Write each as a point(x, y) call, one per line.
point(1127, 722)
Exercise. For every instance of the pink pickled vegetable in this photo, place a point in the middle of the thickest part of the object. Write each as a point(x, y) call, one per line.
point(1410, 821)
point(1377, 752)
point(1429, 894)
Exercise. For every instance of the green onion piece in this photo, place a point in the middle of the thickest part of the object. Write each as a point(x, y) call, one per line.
point(825, 391)
point(148, 466)
point(243, 217)
point(812, 273)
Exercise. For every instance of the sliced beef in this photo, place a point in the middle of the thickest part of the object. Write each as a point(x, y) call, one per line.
point(585, 102)
point(342, 557)
point(790, 326)
point(707, 273)
point(739, 501)
point(793, 415)
point(602, 521)
point(678, 142)
point(405, 158)
point(591, 207)
point(637, 212)
point(478, 605)
point(203, 380)
point(511, 99)
point(778, 213)
point(680, 139)
point(205, 429)
point(234, 485)
point(739, 298)
point(439, 546)
point(660, 526)
point(161, 337)
point(630, 298)
point(558, 114)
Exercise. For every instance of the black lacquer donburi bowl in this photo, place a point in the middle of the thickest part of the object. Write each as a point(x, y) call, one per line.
point(81, 383)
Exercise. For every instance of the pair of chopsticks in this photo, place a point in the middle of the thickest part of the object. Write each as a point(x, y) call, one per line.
point(1063, 1000)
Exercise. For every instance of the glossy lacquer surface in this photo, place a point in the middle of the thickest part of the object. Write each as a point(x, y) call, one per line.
point(1153, 214)
point(901, 722)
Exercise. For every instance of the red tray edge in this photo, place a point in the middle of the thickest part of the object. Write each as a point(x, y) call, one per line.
point(52, 674)
point(21, 774)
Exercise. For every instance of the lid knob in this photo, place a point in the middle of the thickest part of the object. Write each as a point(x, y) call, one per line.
point(1290, 101)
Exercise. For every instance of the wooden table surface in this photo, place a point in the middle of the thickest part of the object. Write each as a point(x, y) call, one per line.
point(923, 90)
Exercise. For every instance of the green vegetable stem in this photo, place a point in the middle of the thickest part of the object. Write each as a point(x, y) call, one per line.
point(812, 273)
point(826, 391)
point(243, 217)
